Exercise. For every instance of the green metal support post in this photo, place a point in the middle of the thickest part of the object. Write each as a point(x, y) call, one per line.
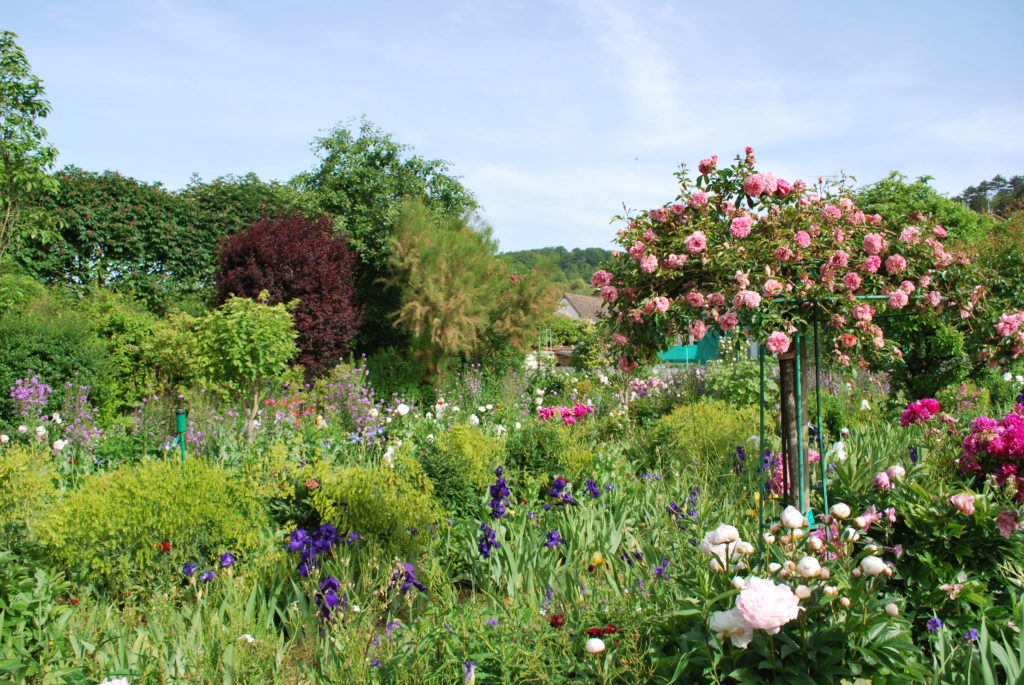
point(181, 422)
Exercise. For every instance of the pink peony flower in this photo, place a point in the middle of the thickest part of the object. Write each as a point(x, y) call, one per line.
point(874, 243)
point(872, 264)
point(698, 329)
point(964, 503)
point(746, 299)
point(882, 481)
point(674, 261)
point(609, 293)
point(695, 299)
point(728, 321)
point(894, 264)
point(803, 238)
point(696, 243)
point(778, 342)
point(1007, 522)
point(766, 606)
point(898, 299)
point(706, 166)
point(896, 471)
point(699, 199)
point(755, 185)
point(851, 281)
point(740, 227)
point(601, 278)
point(772, 288)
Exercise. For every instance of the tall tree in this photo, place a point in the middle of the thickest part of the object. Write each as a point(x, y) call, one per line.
point(25, 156)
point(295, 258)
point(362, 178)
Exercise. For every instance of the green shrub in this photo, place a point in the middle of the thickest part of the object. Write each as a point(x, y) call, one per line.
point(24, 484)
point(965, 399)
point(547, 448)
point(738, 383)
point(385, 505)
point(460, 466)
point(700, 436)
point(110, 530)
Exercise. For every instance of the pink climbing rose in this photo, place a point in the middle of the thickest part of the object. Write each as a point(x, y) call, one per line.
point(740, 227)
point(778, 342)
point(696, 243)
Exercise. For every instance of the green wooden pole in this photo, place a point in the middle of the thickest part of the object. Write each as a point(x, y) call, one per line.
point(181, 421)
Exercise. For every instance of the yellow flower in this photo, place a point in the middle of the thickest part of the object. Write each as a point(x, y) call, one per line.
point(597, 559)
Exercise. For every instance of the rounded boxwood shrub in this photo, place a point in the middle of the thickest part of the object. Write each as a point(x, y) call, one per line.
point(111, 531)
point(460, 464)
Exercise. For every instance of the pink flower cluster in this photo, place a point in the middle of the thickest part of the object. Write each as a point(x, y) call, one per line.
point(1011, 327)
point(569, 415)
point(996, 448)
point(920, 411)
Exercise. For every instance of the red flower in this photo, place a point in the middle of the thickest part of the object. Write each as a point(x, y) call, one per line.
point(74, 601)
point(557, 620)
point(610, 629)
point(595, 632)
point(165, 546)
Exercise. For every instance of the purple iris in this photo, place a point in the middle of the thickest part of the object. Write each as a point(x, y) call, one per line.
point(207, 576)
point(554, 539)
point(227, 559)
point(189, 569)
point(659, 571)
point(406, 575)
point(593, 489)
point(488, 542)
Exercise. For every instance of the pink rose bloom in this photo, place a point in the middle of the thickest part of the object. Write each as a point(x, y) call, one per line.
point(615, 254)
point(857, 218)
point(783, 188)
point(626, 366)
point(882, 481)
point(964, 503)
point(619, 339)
point(678, 209)
point(875, 219)
point(839, 259)
point(895, 263)
point(742, 279)
point(910, 234)
point(638, 250)
point(740, 227)
point(839, 235)
point(728, 321)
point(746, 298)
point(783, 254)
point(763, 605)
point(925, 281)
point(649, 264)
point(609, 293)
point(706, 166)
point(1007, 522)
point(874, 243)
point(658, 214)
point(846, 203)
point(772, 288)
point(716, 299)
point(851, 281)
point(898, 299)
point(660, 304)
point(1009, 323)
point(674, 261)
point(939, 231)
point(908, 287)
point(896, 471)
point(699, 199)
point(872, 264)
point(799, 185)
point(863, 312)
point(755, 185)
point(601, 278)
point(696, 243)
point(803, 239)
point(778, 342)
point(650, 236)
point(831, 212)
point(698, 329)
point(848, 340)
point(695, 299)
point(933, 298)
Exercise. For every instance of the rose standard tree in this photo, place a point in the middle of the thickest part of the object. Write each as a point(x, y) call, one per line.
point(749, 253)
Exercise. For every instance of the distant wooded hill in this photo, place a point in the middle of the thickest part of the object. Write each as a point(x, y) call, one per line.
point(569, 269)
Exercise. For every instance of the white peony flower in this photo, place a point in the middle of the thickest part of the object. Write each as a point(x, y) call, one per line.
point(840, 510)
point(4, 439)
point(1008, 377)
point(23, 429)
point(247, 638)
point(731, 624)
point(802, 592)
point(723, 534)
point(872, 566)
point(402, 409)
point(808, 567)
point(792, 518)
point(474, 420)
point(56, 418)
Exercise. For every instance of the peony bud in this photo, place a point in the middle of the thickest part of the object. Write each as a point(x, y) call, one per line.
point(892, 610)
point(840, 511)
point(798, 533)
point(774, 567)
point(595, 645)
point(831, 591)
point(815, 544)
point(809, 567)
point(825, 574)
point(739, 583)
point(792, 518)
point(845, 601)
point(744, 547)
point(872, 566)
point(860, 522)
point(769, 539)
point(802, 592)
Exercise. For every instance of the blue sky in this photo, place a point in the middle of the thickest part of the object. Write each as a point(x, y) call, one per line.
point(555, 113)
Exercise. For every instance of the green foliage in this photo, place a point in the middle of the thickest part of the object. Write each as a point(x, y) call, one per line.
point(544, 449)
point(1000, 196)
point(739, 382)
point(58, 344)
point(109, 531)
point(25, 156)
point(460, 466)
point(381, 504)
point(934, 356)
point(569, 270)
point(1001, 251)
point(17, 290)
point(699, 438)
point(25, 484)
point(247, 345)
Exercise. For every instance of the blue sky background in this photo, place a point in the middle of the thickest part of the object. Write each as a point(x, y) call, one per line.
point(555, 113)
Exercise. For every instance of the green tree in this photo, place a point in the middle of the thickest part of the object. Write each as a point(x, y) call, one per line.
point(25, 156)
point(247, 345)
point(1000, 196)
point(362, 178)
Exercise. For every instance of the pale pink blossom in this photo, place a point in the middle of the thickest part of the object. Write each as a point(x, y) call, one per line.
point(638, 250)
point(910, 234)
point(898, 299)
point(619, 339)
point(755, 185)
point(772, 288)
point(848, 340)
point(694, 299)
point(896, 471)
point(678, 209)
point(872, 264)
point(851, 281)
point(778, 342)
point(649, 264)
point(882, 480)
point(658, 304)
point(731, 624)
point(894, 264)
point(609, 293)
point(696, 243)
point(748, 299)
point(831, 212)
point(933, 298)
point(763, 605)
point(783, 254)
point(874, 243)
point(740, 227)
point(803, 239)
point(839, 259)
point(1007, 522)
point(857, 218)
point(875, 219)
point(728, 321)
point(964, 503)
point(908, 287)
point(698, 329)
point(716, 299)
point(863, 312)
point(742, 279)
point(658, 214)
point(939, 231)
point(699, 199)
point(601, 278)
point(674, 261)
